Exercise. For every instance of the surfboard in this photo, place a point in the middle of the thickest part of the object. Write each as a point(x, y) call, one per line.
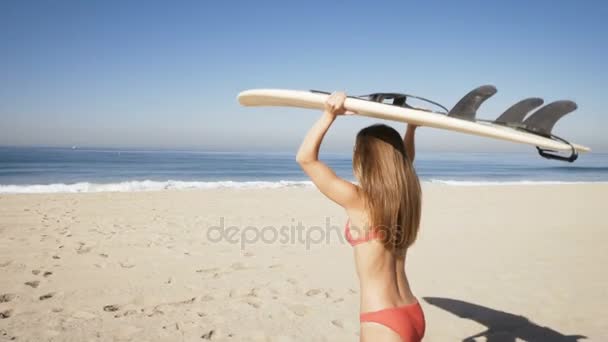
point(511, 126)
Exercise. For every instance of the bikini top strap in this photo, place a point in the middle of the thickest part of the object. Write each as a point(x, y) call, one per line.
point(369, 235)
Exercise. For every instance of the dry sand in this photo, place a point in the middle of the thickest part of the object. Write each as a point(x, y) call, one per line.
point(506, 263)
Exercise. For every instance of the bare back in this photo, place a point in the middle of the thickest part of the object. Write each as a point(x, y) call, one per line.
point(382, 278)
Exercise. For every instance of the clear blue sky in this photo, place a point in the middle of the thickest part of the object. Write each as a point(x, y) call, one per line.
point(166, 74)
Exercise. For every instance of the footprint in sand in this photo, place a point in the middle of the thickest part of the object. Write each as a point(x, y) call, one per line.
point(155, 312)
point(6, 314)
point(254, 292)
point(47, 274)
point(111, 308)
point(7, 297)
point(206, 298)
point(5, 336)
point(237, 293)
point(313, 292)
point(127, 264)
point(208, 335)
point(207, 270)
point(298, 309)
point(338, 323)
point(253, 303)
point(82, 249)
point(33, 283)
point(46, 296)
point(126, 313)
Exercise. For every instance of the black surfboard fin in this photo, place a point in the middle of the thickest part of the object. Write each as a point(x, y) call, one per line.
point(542, 121)
point(516, 113)
point(467, 107)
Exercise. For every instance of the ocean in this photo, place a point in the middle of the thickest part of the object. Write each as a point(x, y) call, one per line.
point(48, 170)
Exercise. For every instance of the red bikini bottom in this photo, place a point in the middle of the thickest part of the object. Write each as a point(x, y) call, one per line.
point(407, 321)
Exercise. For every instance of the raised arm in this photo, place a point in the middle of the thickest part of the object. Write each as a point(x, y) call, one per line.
point(408, 140)
point(335, 188)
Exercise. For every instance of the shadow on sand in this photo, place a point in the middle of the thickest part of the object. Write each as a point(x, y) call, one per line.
point(501, 326)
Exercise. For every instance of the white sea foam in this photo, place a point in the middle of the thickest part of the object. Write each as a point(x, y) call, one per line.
point(148, 185)
point(145, 185)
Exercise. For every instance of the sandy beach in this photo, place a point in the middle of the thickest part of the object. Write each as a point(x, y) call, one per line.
point(495, 263)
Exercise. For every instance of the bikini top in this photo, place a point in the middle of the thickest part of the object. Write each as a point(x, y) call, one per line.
point(365, 238)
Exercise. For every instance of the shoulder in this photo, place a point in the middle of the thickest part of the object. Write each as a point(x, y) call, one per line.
point(356, 205)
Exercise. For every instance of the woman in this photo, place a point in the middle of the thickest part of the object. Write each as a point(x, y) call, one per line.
point(384, 215)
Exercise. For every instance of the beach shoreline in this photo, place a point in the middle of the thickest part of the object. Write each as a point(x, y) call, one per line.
point(520, 260)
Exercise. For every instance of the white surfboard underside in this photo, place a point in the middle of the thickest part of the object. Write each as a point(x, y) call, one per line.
point(307, 99)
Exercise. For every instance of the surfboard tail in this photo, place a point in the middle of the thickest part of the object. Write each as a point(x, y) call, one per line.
point(542, 122)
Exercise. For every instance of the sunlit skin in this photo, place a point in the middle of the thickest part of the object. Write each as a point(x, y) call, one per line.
point(382, 277)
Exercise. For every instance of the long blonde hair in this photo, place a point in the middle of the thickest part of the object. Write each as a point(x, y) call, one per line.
point(390, 186)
